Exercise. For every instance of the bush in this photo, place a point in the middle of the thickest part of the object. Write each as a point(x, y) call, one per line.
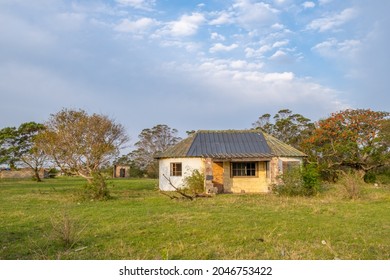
point(370, 178)
point(311, 179)
point(299, 181)
point(195, 182)
point(351, 185)
point(97, 188)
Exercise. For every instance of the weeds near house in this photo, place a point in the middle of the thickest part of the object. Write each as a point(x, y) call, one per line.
point(195, 182)
point(299, 181)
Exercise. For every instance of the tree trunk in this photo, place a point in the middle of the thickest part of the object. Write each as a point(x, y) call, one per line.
point(36, 175)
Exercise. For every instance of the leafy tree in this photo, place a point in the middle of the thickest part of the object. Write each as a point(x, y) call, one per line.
point(81, 144)
point(17, 147)
point(350, 139)
point(286, 126)
point(151, 142)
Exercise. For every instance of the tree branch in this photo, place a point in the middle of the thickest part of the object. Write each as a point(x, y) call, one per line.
point(177, 189)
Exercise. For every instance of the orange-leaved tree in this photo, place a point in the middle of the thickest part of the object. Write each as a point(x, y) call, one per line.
point(353, 138)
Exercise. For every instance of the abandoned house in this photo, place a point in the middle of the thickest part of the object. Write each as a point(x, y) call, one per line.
point(121, 171)
point(233, 161)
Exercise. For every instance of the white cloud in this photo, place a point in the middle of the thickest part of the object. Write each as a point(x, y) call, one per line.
point(260, 52)
point(138, 4)
point(250, 52)
point(187, 25)
point(282, 2)
point(279, 55)
point(308, 4)
point(254, 15)
point(279, 44)
point(272, 77)
point(334, 49)
point(216, 36)
point(277, 26)
point(333, 21)
point(190, 47)
point(223, 18)
point(218, 47)
point(247, 87)
point(137, 26)
point(324, 2)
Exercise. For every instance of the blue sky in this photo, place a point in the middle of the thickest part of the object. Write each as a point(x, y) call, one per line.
point(191, 64)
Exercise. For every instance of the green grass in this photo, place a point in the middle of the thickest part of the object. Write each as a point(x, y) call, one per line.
point(140, 223)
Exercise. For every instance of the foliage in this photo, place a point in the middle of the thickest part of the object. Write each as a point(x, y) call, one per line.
point(195, 182)
point(17, 147)
point(311, 179)
point(351, 185)
point(354, 139)
point(299, 181)
point(81, 144)
point(286, 126)
point(151, 142)
point(97, 188)
point(369, 177)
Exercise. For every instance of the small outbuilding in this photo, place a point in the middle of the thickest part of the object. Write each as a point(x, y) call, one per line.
point(233, 161)
point(121, 171)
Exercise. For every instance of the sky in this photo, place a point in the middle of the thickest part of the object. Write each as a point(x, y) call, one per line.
point(191, 65)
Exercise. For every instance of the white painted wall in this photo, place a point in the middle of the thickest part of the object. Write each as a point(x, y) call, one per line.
point(188, 165)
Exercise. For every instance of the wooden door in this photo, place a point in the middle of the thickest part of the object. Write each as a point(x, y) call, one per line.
point(218, 176)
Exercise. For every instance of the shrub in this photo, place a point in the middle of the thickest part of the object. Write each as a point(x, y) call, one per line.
point(299, 181)
point(97, 188)
point(369, 177)
point(195, 182)
point(311, 179)
point(351, 185)
point(65, 230)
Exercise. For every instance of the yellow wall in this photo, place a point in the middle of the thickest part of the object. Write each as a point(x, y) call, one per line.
point(246, 184)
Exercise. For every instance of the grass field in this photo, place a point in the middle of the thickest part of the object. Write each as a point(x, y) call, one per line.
point(49, 220)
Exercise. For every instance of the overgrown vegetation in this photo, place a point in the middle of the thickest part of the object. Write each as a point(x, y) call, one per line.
point(351, 185)
point(299, 181)
point(140, 223)
point(195, 182)
point(65, 230)
point(97, 188)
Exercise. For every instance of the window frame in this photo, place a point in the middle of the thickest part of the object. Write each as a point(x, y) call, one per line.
point(241, 168)
point(174, 171)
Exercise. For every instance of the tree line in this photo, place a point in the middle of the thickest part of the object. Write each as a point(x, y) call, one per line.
point(81, 144)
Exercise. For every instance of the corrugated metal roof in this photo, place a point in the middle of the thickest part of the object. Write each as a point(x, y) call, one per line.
point(178, 150)
point(231, 144)
point(282, 149)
